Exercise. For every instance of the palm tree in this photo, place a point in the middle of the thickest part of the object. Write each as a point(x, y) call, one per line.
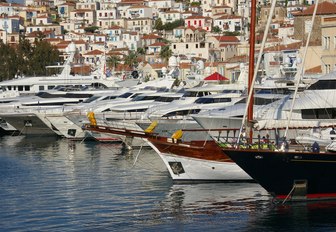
point(113, 61)
point(166, 53)
point(131, 60)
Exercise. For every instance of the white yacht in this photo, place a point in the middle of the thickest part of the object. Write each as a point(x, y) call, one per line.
point(21, 112)
point(314, 107)
point(177, 115)
point(32, 85)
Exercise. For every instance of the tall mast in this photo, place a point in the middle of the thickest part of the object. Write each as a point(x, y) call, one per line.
point(251, 64)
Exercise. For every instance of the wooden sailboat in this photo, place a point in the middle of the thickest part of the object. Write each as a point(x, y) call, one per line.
point(186, 161)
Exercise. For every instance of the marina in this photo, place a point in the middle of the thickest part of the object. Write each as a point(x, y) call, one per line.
point(56, 185)
point(167, 115)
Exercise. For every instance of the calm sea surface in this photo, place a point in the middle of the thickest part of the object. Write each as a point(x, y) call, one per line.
point(49, 184)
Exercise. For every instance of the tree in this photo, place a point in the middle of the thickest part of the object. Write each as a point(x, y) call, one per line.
point(91, 29)
point(8, 62)
point(173, 25)
point(158, 25)
point(166, 53)
point(44, 54)
point(216, 29)
point(131, 60)
point(113, 61)
point(24, 52)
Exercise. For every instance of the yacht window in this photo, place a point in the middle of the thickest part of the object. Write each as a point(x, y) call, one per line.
point(51, 103)
point(144, 98)
point(212, 100)
point(166, 99)
point(137, 110)
point(125, 95)
point(264, 101)
point(91, 99)
point(329, 113)
point(195, 94)
point(323, 84)
point(182, 113)
point(78, 95)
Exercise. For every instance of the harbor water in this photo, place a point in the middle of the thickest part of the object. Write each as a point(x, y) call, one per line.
point(49, 184)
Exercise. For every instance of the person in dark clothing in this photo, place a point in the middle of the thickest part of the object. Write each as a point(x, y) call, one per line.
point(315, 147)
point(332, 133)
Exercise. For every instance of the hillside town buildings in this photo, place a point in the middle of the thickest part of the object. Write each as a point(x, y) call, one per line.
point(215, 31)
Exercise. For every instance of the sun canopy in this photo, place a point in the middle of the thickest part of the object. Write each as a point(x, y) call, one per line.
point(216, 77)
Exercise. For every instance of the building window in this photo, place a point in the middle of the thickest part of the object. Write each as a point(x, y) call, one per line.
point(196, 45)
point(326, 42)
point(327, 68)
point(187, 46)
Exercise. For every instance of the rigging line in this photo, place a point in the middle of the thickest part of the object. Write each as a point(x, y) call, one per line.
point(290, 193)
point(136, 158)
point(299, 77)
point(257, 67)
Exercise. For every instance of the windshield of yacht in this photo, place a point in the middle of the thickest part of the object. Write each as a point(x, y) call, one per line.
point(166, 99)
point(206, 100)
point(125, 95)
point(323, 84)
point(231, 91)
point(195, 94)
point(91, 99)
point(144, 98)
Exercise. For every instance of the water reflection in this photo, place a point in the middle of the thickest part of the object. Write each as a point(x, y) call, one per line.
point(300, 216)
point(56, 184)
point(216, 197)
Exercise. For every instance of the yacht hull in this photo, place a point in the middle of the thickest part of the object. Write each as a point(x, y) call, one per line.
point(290, 175)
point(29, 124)
point(196, 161)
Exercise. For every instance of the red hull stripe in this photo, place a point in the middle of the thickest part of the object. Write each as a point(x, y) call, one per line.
point(313, 196)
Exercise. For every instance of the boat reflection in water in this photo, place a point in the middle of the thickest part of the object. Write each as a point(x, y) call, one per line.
point(303, 216)
point(212, 198)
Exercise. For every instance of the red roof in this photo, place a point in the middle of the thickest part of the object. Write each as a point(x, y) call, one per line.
point(324, 8)
point(215, 77)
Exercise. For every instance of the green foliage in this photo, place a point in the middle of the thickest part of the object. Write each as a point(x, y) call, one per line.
point(113, 61)
point(168, 26)
point(44, 55)
point(26, 59)
point(195, 4)
point(233, 33)
point(131, 60)
point(91, 29)
point(158, 24)
point(166, 53)
point(216, 29)
point(8, 62)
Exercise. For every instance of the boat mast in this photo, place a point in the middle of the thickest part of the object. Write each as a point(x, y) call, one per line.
point(251, 66)
point(248, 115)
